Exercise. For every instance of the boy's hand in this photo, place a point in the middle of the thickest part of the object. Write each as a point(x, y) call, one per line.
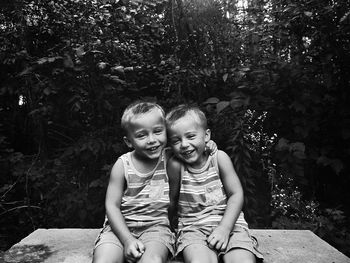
point(218, 239)
point(211, 147)
point(133, 250)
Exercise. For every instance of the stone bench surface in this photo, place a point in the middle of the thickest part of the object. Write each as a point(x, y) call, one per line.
point(76, 245)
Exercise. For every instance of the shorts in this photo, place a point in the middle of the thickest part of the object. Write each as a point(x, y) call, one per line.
point(157, 233)
point(240, 237)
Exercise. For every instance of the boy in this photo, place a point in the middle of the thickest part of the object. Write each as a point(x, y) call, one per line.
point(207, 193)
point(136, 228)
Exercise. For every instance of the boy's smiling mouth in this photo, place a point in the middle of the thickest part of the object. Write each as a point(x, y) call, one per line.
point(153, 149)
point(187, 154)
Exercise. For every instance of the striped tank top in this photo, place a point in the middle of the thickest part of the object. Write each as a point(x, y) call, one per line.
point(202, 199)
point(146, 199)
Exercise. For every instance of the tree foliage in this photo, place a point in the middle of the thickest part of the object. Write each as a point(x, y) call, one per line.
point(272, 77)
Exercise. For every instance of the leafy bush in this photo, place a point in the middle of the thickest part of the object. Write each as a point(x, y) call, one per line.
point(292, 211)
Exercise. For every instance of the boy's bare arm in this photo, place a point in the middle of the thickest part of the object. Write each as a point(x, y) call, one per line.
point(133, 248)
point(234, 192)
point(174, 174)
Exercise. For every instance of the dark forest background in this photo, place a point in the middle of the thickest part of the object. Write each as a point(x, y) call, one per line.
point(272, 76)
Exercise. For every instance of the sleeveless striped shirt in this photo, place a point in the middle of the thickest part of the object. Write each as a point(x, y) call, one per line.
point(146, 199)
point(202, 198)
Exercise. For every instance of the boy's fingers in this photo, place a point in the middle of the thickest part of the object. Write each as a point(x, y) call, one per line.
point(211, 237)
point(218, 245)
point(134, 253)
point(140, 247)
point(129, 258)
point(224, 246)
point(212, 242)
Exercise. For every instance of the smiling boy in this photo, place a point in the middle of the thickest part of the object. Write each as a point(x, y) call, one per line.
point(206, 193)
point(137, 228)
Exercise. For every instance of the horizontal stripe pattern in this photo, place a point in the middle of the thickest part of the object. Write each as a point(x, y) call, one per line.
point(202, 199)
point(146, 199)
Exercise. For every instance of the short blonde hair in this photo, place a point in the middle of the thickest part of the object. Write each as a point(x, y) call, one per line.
point(136, 108)
point(184, 109)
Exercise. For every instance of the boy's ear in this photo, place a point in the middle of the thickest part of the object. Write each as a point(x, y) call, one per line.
point(207, 135)
point(127, 141)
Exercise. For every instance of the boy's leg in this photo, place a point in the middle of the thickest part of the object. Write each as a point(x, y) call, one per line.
point(108, 253)
point(159, 243)
point(198, 253)
point(242, 247)
point(108, 248)
point(239, 255)
point(155, 252)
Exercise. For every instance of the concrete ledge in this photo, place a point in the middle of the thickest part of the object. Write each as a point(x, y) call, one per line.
point(75, 246)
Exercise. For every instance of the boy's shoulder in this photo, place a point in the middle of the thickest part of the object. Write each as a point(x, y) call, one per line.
point(124, 156)
point(220, 154)
point(168, 153)
point(174, 162)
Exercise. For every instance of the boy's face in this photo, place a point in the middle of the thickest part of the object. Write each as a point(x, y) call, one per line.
point(188, 139)
point(147, 134)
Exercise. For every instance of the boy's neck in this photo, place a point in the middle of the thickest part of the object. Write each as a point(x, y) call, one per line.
point(201, 163)
point(142, 164)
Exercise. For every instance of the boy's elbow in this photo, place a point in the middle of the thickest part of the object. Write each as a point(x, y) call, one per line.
point(238, 197)
point(110, 206)
point(241, 198)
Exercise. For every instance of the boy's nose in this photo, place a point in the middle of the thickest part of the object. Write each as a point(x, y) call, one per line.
point(151, 138)
point(184, 144)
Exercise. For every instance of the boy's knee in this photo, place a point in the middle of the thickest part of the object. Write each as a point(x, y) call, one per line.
point(239, 256)
point(199, 259)
point(152, 258)
point(196, 261)
point(240, 260)
point(104, 260)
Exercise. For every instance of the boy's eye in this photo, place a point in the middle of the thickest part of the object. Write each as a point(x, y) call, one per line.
point(191, 136)
point(158, 131)
point(140, 135)
point(174, 141)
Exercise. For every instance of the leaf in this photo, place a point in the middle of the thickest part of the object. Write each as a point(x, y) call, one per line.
point(67, 61)
point(118, 69)
point(44, 60)
point(221, 106)
point(80, 51)
point(116, 79)
point(206, 72)
point(238, 99)
point(128, 69)
point(107, 105)
point(323, 160)
point(298, 149)
point(101, 65)
point(212, 100)
point(95, 183)
point(224, 77)
point(41, 61)
point(344, 17)
point(337, 165)
point(283, 144)
point(47, 91)
point(25, 71)
point(308, 13)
